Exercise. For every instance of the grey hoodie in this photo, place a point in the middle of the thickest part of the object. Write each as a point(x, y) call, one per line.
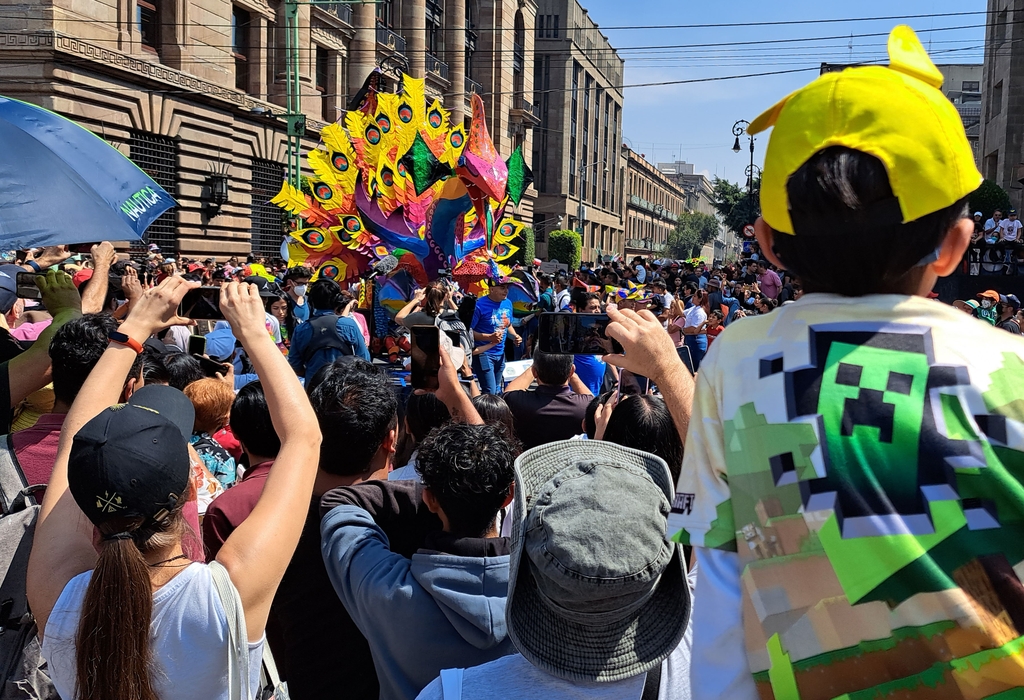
point(438, 610)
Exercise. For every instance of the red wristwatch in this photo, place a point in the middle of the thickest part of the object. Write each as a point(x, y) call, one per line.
point(122, 339)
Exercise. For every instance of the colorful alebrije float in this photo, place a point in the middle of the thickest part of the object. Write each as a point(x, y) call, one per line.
point(398, 180)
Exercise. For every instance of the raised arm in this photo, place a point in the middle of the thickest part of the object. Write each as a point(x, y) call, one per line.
point(413, 305)
point(103, 256)
point(30, 371)
point(257, 553)
point(650, 352)
point(62, 546)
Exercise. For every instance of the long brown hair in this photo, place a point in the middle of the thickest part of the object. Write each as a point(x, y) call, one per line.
point(433, 301)
point(113, 655)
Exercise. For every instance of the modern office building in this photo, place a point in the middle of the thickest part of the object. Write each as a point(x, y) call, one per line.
point(578, 165)
point(194, 90)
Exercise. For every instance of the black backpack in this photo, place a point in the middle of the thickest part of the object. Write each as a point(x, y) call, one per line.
point(23, 671)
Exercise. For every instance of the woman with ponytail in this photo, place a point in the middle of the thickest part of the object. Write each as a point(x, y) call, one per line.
point(122, 613)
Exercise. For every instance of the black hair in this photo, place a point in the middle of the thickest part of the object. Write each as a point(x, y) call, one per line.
point(75, 349)
point(272, 298)
point(493, 409)
point(423, 413)
point(323, 295)
point(182, 370)
point(356, 407)
point(469, 470)
point(154, 371)
point(250, 421)
point(643, 422)
point(838, 185)
point(551, 368)
point(561, 279)
point(299, 272)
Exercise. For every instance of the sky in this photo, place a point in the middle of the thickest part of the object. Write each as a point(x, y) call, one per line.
point(693, 122)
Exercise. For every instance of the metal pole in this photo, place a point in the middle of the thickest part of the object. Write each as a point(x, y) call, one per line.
point(296, 120)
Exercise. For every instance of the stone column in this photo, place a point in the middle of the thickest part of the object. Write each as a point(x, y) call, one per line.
point(414, 30)
point(455, 55)
point(362, 57)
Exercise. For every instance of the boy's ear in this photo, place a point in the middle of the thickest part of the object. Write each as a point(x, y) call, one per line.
point(952, 249)
point(765, 239)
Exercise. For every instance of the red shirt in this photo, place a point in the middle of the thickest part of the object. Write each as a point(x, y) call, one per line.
point(226, 439)
point(232, 507)
point(36, 448)
point(713, 333)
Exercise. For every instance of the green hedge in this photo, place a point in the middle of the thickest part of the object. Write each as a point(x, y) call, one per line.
point(566, 247)
point(528, 251)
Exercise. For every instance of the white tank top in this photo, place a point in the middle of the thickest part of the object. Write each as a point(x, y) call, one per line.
point(188, 639)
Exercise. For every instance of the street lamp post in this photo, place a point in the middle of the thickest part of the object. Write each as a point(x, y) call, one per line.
point(738, 129)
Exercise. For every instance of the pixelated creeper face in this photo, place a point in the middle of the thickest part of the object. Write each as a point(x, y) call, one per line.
point(872, 402)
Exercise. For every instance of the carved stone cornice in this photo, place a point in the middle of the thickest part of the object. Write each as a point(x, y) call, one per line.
point(138, 70)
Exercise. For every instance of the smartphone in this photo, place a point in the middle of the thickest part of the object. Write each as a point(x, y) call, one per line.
point(632, 384)
point(81, 247)
point(425, 348)
point(196, 345)
point(575, 334)
point(211, 368)
point(26, 284)
point(201, 302)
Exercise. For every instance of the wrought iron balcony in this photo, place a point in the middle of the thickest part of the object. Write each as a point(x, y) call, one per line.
point(390, 40)
point(434, 65)
point(473, 87)
point(342, 11)
point(525, 111)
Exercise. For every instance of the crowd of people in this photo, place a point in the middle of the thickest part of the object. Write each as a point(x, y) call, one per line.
point(791, 478)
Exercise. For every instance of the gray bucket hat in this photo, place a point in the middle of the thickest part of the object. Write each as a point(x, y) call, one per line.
point(597, 591)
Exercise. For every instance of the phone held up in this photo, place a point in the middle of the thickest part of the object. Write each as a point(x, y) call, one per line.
point(201, 303)
point(26, 285)
point(576, 334)
point(426, 344)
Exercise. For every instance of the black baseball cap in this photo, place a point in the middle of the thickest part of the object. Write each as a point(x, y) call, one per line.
point(170, 403)
point(129, 462)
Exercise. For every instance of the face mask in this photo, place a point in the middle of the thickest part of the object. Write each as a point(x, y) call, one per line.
point(986, 304)
point(300, 290)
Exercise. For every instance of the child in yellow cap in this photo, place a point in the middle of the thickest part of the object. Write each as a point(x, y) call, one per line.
point(851, 483)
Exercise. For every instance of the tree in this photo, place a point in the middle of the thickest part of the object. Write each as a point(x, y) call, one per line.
point(566, 247)
point(735, 204)
point(691, 233)
point(988, 198)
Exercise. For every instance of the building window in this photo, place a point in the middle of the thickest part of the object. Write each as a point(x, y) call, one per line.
point(547, 26)
point(240, 46)
point(267, 219)
point(323, 65)
point(992, 165)
point(147, 21)
point(471, 38)
point(996, 106)
point(1000, 28)
point(970, 86)
point(157, 156)
point(385, 13)
point(435, 27)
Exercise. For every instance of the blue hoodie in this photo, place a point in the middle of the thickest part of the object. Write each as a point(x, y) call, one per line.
point(422, 615)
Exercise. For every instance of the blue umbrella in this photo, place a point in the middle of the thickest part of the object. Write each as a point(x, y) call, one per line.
point(60, 183)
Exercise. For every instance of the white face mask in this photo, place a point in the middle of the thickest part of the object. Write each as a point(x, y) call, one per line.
point(300, 290)
point(986, 303)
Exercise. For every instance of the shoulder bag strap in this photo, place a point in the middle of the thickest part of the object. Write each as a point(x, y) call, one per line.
point(652, 685)
point(451, 684)
point(238, 639)
point(12, 479)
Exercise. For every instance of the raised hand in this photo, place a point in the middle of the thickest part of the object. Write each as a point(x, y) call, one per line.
point(157, 309)
point(243, 309)
point(647, 349)
point(59, 293)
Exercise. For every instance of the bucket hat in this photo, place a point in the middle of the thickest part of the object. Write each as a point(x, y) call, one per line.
point(586, 607)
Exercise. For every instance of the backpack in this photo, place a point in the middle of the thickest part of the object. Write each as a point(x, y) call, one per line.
point(450, 321)
point(23, 671)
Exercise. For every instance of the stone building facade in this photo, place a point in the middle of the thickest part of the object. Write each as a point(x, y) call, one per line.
point(194, 90)
point(653, 206)
point(578, 167)
point(1002, 109)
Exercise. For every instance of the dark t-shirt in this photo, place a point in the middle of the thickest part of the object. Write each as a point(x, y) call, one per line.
point(548, 414)
point(1011, 326)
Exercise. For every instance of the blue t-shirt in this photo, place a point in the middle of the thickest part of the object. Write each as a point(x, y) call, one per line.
point(590, 369)
point(490, 316)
